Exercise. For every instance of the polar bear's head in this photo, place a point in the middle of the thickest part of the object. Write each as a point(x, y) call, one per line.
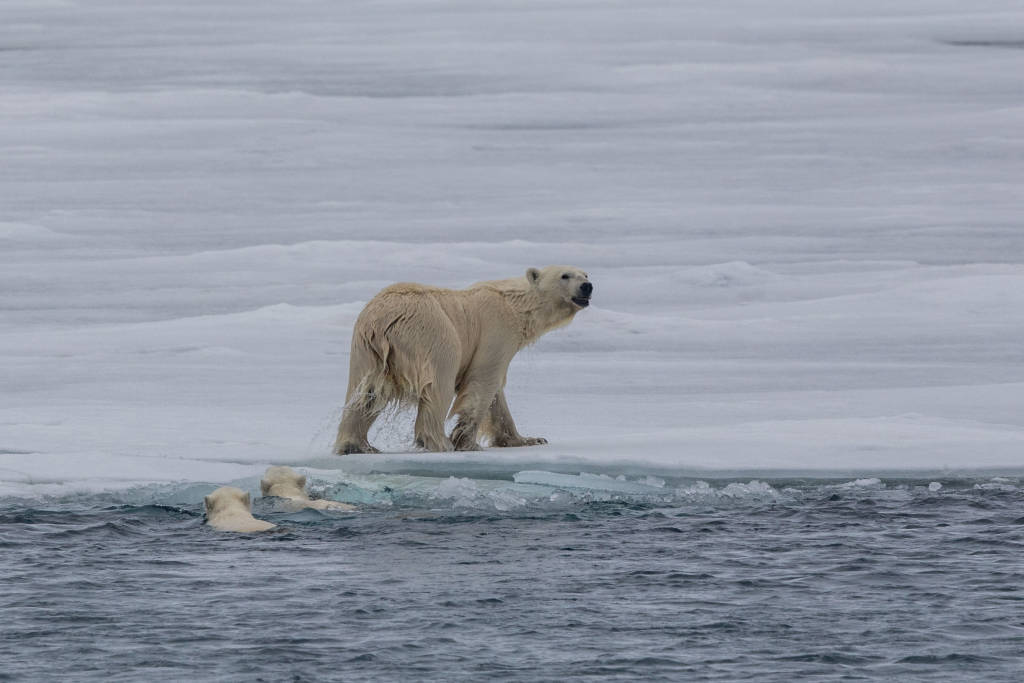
point(225, 499)
point(283, 481)
point(228, 509)
point(564, 284)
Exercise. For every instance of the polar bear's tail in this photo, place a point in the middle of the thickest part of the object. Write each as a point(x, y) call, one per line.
point(376, 391)
point(383, 376)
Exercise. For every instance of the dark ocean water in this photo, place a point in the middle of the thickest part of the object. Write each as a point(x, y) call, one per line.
point(547, 578)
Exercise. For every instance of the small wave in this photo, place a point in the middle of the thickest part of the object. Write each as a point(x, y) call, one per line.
point(592, 482)
point(830, 658)
point(867, 483)
point(533, 490)
point(952, 658)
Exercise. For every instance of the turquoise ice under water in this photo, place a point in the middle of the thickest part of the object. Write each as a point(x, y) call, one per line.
point(540, 577)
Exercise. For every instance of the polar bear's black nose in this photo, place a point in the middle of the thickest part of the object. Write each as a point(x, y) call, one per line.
point(586, 288)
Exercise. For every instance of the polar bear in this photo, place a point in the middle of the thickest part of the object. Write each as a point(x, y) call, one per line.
point(228, 509)
point(427, 346)
point(284, 482)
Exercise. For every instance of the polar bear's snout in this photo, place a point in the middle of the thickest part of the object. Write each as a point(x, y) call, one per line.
point(583, 297)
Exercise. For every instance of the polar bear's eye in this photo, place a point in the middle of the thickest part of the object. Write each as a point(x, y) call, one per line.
point(565, 276)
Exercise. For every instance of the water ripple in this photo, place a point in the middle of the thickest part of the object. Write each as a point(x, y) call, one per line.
point(442, 579)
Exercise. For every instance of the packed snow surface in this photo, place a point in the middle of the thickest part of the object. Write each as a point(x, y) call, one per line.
point(802, 221)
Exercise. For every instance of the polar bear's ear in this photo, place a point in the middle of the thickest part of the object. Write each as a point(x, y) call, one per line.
point(532, 275)
point(265, 486)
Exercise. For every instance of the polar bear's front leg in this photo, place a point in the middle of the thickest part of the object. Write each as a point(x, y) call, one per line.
point(503, 427)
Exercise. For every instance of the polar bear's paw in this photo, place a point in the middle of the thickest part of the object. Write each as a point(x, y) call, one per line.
point(352, 447)
point(514, 441)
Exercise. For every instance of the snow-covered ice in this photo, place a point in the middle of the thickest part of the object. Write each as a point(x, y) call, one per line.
point(802, 219)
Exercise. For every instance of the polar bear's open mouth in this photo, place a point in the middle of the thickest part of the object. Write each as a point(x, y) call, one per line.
point(581, 301)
